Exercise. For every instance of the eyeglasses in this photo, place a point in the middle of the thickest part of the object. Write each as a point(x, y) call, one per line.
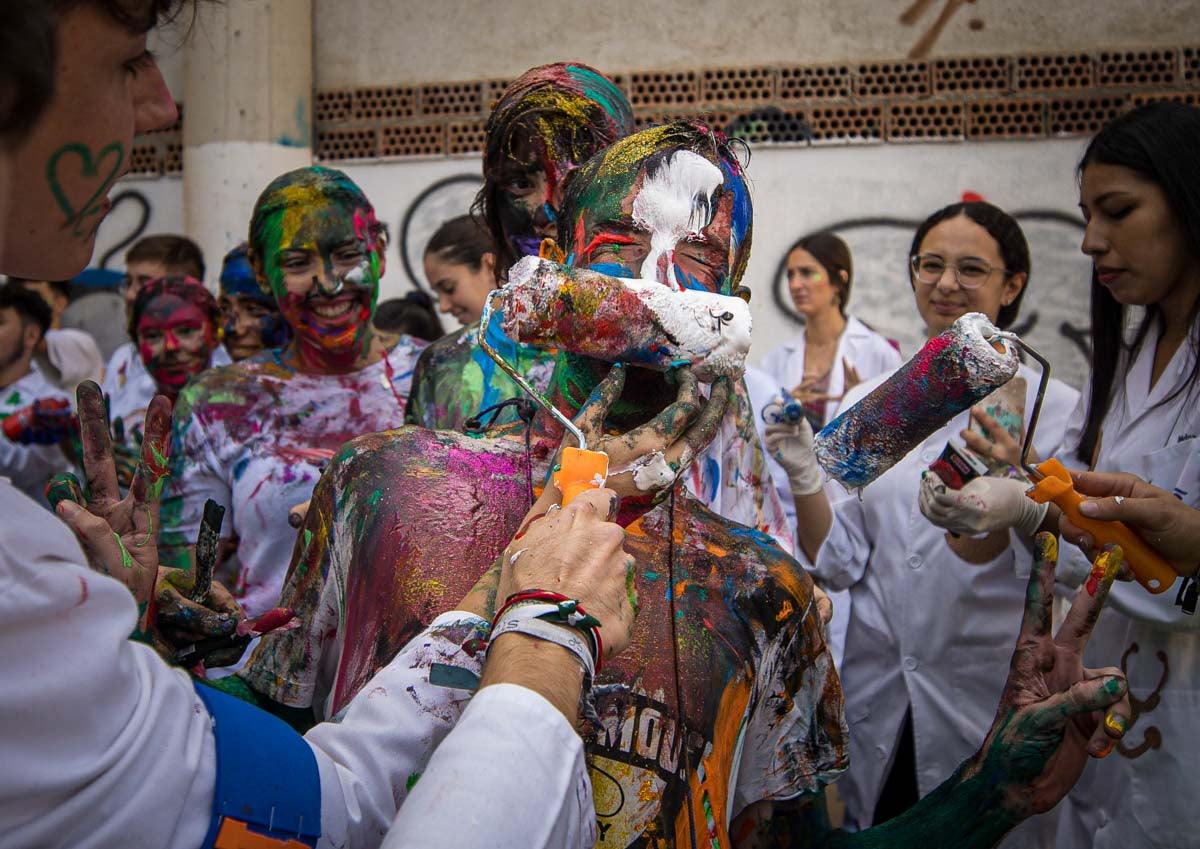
point(970, 273)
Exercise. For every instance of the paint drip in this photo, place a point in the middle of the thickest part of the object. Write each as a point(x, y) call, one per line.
point(650, 472)
point(614, 319)
point(675, 203)
point(954, 370)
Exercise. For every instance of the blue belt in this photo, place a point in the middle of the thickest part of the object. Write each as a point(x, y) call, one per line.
point(268, 789)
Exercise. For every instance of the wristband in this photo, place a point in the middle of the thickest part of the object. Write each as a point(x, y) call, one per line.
point(562, 635)
point(557, 609)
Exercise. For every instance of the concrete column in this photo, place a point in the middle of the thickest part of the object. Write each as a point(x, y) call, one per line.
point(247, 113)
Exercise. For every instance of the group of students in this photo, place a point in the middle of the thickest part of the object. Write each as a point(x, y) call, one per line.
point(722, 720)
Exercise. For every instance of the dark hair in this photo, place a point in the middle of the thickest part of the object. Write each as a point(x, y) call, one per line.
point(179, 254)
point(1159, 142)
point(831, 252)
point(183, 286)
point(28, 305)
point(27, 52)
point(573, 109)
point(1002, 227)
point(62, 287)
point(462, 241)
point(413, 314)
point(137, 15)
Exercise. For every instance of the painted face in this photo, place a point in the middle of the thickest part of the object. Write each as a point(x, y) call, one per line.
point(323, 265)
point(461, 290)
point(137, 274)
point(107, 88)
point(175, 340)
point(248, 325)
point(960, 241)
point(1140, 248)
point(809, 283)
point(531, 194)
point(674, 220)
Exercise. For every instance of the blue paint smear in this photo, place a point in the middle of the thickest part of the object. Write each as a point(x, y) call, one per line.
point(239, 468)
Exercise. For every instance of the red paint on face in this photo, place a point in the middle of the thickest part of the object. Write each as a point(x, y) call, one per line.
point(175, 339)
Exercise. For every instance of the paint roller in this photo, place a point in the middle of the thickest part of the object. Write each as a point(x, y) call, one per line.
point(578, 469)
point(954, 370)
point(638, 322)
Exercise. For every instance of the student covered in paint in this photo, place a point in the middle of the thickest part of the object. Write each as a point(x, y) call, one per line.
point(127, 384)
point(149, 739)
point(930, 633)
point(724, 722)
point(544, 126)
point(250, 317)
point(1140, 414)
point(174, 322)
point(254, 436)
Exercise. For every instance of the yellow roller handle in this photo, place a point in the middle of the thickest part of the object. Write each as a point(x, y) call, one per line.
point(580, 470)
point(1151, 570)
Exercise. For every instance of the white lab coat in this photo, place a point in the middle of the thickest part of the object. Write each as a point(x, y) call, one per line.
point(1153, 799)
point(105, 745)
point(783, 369)
point(927, 629)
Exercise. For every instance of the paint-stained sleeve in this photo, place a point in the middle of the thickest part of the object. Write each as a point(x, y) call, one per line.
point(421, 405)
point(197, 474)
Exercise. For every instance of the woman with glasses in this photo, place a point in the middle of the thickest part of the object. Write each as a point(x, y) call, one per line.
point(932, 615)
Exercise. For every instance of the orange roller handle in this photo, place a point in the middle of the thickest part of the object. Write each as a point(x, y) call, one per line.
point(580, 470)
point(1151, 570)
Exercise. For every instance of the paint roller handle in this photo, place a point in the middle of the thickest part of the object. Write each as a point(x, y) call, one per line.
point(1149, 567)
point(579, 470)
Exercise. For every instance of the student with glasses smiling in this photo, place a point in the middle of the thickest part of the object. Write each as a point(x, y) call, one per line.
point(930, 633)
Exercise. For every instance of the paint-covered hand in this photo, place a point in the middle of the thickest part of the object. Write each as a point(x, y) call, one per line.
point(1166, 523)
point(1054, 712)
point(998, 447)
point(183, 622)
point(120, 535)
point(47, 421)
point(645, 462)
point(984, 505)
point(791, 445)
point(577, 551)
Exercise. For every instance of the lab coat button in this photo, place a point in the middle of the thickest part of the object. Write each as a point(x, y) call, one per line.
point(929, 456)
point(915, 561)
point(910, 663)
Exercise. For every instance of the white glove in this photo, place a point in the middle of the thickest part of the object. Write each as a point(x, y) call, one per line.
point(792, 447)
point(984, 504)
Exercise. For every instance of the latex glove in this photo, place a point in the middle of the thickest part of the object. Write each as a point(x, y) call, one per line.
point(985, 504)
point(792, 447)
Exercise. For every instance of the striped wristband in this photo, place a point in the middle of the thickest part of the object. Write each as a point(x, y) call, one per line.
point(517, 620)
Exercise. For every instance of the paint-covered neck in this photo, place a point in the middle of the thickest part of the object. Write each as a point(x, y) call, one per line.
point(309, 356)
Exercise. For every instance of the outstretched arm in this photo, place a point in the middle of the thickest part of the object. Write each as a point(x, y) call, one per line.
point(1053, 714)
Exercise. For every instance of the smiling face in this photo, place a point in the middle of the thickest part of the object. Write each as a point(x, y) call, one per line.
point(1137, 243)
point(809, 284)
point(248, 325)
point(107, 88)
point(175, 339)
point(461, 290)
point(960, 241)
point(316, 244)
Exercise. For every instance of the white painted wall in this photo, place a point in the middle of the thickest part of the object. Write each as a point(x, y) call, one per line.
point(374, 42)
point(795, 191)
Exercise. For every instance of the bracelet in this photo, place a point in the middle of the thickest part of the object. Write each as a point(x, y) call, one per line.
point(562, 635)
point(557, 609)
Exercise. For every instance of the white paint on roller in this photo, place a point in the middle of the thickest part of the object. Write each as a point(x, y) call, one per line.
point(650, 472)
point(711, 331)
point(674, 204)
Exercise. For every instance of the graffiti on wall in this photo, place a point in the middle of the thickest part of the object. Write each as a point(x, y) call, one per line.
point(126, 222)
point(1054, 315)
point(912, 16)
point(441, 201)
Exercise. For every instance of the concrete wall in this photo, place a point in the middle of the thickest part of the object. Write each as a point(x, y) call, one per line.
point(795, 192)
point(372, 42)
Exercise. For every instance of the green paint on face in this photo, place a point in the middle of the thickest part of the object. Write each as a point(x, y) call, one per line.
point(78, 159)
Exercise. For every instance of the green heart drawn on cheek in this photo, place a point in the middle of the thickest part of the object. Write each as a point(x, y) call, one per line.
point(88, 167)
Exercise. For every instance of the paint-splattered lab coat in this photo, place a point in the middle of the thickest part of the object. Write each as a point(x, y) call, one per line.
point(254, 437)
point(29, 467)
point(1145, 793)
point(927, 628)
point(726, 696)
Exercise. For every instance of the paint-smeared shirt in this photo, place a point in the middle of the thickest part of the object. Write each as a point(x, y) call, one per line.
point(726, 696)
point(254, 437)
point(455, 379)
point(29, 467)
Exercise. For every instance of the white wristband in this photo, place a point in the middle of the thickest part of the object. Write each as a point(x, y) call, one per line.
point(564, 635)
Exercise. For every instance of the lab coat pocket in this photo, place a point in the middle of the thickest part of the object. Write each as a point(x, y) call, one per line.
point(1174, 469)
point(1165, 795)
